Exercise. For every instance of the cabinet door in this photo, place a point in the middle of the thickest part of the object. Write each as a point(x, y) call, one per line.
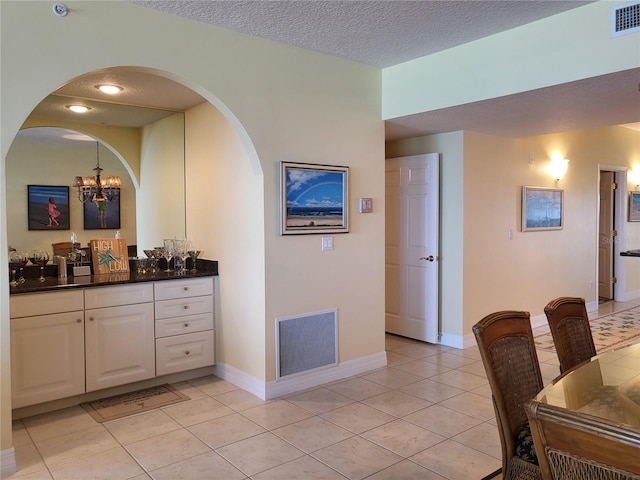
point(119, 345)
point(47, 358)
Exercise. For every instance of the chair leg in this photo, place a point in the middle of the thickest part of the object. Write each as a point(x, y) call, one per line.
point(492, 475)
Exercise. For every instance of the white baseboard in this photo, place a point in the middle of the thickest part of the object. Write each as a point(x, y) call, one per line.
point(628, 296)
point(457, 341)
point(469, 340)
point(7, 462)
point(284, 386)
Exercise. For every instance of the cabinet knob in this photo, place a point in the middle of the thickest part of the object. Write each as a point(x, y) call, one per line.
point(186, 307)
point(186, 352)
point(78, 320)
point(186, 324)
point(91, 319)
point(186, 288)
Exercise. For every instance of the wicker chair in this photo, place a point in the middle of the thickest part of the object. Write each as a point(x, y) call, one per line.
point(573, 446)
point(509, 356)
point(569, 324)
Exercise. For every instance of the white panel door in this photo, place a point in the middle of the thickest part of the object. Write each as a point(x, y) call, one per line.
point(412, 231)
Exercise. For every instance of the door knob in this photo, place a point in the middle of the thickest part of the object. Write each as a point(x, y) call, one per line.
point(430, 258)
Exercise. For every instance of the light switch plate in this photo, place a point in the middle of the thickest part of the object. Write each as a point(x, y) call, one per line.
point(327, 243)
point(366, 205)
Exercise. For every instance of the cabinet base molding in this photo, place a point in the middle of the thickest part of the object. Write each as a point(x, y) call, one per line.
point(29, 411)
point(7, 462)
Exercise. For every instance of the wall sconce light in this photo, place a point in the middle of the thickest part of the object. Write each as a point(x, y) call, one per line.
point(634, 177)
point(558, 167)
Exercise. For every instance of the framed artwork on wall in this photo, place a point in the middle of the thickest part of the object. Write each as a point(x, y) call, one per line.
point(48, 207)
point(313, 198)
point(102, 215)
point(634, 206)
point(542, 209)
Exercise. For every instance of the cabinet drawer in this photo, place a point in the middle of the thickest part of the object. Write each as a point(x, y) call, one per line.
point(191, 287)
point(43, 303)
point(184, 306)
point(113, 296)
point(180, 325)
point(184, 352)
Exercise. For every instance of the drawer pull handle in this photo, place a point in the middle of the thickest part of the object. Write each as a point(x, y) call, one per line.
point(187, 352)
point(186, 324)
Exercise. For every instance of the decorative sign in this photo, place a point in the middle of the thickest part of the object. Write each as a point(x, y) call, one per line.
point(109, 255)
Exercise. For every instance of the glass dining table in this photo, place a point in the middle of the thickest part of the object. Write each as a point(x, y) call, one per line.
point(606, 387)
point(586, 423)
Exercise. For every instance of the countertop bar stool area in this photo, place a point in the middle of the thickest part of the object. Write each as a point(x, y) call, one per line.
point(508, 352)
point(569, 325)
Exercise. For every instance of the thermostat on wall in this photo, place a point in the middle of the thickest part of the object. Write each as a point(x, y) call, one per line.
point(366, 205)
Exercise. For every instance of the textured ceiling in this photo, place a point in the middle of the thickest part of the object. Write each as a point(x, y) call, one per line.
point(380, 33)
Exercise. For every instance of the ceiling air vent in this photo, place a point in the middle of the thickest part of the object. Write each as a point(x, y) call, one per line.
point(625, 19)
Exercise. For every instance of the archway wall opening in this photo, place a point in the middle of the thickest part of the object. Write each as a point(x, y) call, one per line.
point(282, 104)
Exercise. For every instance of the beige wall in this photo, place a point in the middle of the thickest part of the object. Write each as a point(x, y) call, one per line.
point(491, 272)
point(225, 205)
point(570, 46)
point(284, 104)
point(161, 197)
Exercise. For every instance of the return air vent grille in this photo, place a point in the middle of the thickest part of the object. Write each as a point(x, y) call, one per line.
point(625, 19)
point(306, 342)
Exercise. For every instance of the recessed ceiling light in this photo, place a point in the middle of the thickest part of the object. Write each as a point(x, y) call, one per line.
point(78, 108)
point(109, 89)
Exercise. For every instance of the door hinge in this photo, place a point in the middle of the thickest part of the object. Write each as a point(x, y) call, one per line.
point(614, 186)
point(614, 280)
point(614, 233)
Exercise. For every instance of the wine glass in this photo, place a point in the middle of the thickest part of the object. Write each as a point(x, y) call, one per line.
point(193, 253)
point(23, 259)
point(14, 263)
point(39, 258)
point(179, 254)
point(168, 252)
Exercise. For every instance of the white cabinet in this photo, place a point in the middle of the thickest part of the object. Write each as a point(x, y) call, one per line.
point(119, 337)
point(47, 351)
point(70, 342)
point(184, 324)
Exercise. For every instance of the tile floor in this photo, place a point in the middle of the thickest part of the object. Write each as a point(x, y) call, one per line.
point(427, 415)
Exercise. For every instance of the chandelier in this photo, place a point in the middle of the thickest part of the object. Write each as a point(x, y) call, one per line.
point(96, 188)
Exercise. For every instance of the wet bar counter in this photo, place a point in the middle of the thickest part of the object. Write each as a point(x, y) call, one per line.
point(205, 268)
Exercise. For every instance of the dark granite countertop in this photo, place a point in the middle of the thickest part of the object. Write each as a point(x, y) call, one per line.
point(205, 268)
point(631, 253)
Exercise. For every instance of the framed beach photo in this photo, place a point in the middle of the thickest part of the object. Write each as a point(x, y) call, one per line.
point(48, 207)
point(102, 215)
point(542, 209)
point(313, 198)
point(634, 206)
